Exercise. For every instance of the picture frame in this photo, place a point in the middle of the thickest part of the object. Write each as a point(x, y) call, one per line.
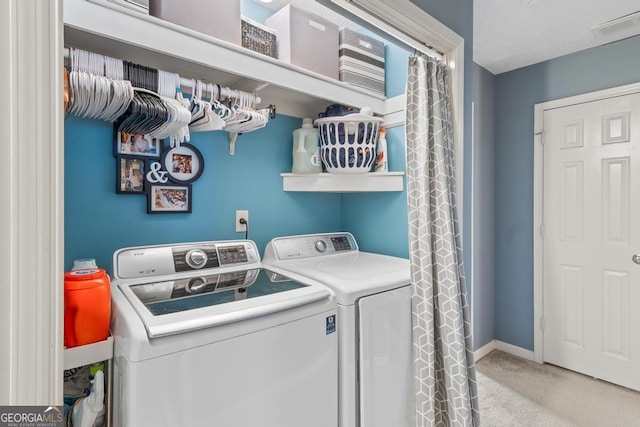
point(137, 145)
point(184, 164)
point(130, 175)
point(163, 198)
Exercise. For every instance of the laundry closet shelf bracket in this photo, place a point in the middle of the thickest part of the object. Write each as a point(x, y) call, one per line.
point(107, 28)
point(233, 137)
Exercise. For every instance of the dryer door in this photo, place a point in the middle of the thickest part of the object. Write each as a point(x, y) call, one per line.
point(385, 359)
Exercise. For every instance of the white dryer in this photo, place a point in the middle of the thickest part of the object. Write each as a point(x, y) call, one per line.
point(374, 323)
point(205, 336)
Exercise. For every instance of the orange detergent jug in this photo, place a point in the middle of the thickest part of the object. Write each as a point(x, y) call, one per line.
point(87, 306)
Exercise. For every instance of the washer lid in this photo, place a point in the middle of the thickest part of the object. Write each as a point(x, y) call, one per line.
point(351, 275)
point(194, 302)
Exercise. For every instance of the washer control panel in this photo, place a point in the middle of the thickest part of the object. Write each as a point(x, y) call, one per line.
point(153, 261)
point(196, 258)
point(321, 245)
point(310, 245)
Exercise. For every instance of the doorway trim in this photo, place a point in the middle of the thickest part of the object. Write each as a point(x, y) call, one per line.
point(31, 217)
point(538, 199)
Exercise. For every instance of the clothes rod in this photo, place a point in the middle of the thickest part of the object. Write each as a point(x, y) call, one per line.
point(186, 82)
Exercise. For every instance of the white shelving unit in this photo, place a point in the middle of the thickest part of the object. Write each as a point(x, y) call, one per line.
point(88, 354)
point(347, 183)
point(110, 29)
point(75, 357)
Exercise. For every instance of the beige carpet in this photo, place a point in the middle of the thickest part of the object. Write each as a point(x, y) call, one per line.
point(516, 392)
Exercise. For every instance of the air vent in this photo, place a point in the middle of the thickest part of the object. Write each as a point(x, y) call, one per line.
point(619, 28)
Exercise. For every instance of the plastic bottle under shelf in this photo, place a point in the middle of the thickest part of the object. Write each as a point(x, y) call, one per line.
point(90, 411)
point(306, 153)
point(382, 161)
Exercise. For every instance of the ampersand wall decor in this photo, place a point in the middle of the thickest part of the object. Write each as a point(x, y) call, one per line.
point(164, 178)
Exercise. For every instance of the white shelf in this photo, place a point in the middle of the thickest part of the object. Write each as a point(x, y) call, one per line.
point(107, 28)
point(88, 354)
point(343, 183)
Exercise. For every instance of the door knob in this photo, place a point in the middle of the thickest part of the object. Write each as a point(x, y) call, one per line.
point(636, 258)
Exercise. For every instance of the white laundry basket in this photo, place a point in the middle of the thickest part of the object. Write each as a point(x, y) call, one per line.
point(348, 143)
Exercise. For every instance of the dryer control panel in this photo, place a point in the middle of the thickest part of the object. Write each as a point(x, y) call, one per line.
point(154, 261)
point(310, 245)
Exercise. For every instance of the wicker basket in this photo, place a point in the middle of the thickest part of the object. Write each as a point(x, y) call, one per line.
point(348, 143)
point(259, 38)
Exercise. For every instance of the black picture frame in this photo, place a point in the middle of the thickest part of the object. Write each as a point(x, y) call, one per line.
point(184, 164)
point(169, 198)
point(131, 175)
point(130, 144)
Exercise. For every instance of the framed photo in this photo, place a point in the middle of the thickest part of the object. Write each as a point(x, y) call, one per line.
point(130, 175)
point(184, 164)
point(169, 199)
point(137, 145)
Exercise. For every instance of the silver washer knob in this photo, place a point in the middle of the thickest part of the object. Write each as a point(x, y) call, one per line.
point(636, 258)
point(195, 285)
point(321, 246)
point(196, 258)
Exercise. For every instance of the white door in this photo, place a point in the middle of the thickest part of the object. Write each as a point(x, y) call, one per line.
point(591, 222)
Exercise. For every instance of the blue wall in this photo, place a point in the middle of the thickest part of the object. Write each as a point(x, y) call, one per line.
point(516, 94)
point(255, 11)
point(98, 221)
point(379, 221)
point(483, 272)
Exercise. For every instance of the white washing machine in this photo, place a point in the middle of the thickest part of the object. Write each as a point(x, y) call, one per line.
point(374, 321)
point(205, 336)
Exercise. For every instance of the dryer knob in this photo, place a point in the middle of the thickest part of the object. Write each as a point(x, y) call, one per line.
point(196, 258)
point(321, 246)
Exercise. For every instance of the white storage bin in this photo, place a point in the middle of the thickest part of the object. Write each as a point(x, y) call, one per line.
point(217, 18)
point(306, 40)
point(362, 61)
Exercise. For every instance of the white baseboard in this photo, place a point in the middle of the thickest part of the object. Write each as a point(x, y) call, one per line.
point(503, 346)
point(514, 350)
point(484, 350)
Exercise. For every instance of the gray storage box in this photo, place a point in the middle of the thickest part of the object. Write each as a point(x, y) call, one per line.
point(306, 40)
point(217, 18)
point(362, 60)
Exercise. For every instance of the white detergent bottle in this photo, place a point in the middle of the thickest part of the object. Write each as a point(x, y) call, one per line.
point(306, 154)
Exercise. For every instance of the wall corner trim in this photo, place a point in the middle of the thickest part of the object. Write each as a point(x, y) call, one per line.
point(503, 346)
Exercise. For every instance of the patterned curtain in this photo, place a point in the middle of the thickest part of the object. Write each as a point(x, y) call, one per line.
point(445, 384)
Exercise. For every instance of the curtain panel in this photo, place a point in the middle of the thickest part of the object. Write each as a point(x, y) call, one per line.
point(444, 370)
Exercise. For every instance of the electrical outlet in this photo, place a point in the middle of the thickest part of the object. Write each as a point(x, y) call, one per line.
point(241, 228)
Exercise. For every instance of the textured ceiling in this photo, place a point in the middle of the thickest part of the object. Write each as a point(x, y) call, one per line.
point(510, 34)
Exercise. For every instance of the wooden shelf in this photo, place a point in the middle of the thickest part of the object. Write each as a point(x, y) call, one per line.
point(88, 354)
point(110, 29)
point(347, 183)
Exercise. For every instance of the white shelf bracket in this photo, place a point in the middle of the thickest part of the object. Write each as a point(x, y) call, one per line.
point(233, 137)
